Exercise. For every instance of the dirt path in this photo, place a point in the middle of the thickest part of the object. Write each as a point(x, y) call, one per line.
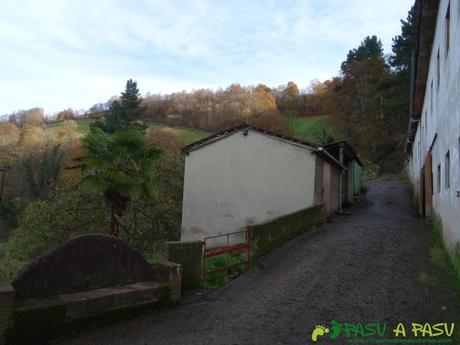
point(371, 266)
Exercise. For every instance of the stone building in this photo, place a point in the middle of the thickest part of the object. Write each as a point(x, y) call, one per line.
point(434, 131)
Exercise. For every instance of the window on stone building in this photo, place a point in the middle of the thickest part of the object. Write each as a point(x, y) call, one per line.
point(431, 98)
point(447, 171)
point(447, 29)
point(438, 70)
point(439, 178)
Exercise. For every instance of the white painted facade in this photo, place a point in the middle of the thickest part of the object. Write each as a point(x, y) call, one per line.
point(244, 179)
point(439, 125)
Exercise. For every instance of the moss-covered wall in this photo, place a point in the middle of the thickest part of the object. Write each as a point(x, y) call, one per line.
point(7, 298)
point(265, 237)
point(37, 320)
point(190, 256)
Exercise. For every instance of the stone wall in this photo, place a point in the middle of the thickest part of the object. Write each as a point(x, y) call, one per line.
point(7, 299)
point(87, 282)
point(190, 256)
point(83, 263)
point(267, 236)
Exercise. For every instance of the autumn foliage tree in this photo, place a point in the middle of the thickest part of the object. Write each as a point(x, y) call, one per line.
point(369, 99)
point(214, 110)
point(66, 114)
point(164, 138)
point(9, 133)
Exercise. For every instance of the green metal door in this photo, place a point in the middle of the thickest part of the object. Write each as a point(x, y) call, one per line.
point(356, 178)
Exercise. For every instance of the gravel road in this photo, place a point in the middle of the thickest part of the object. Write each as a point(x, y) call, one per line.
point(375, 265)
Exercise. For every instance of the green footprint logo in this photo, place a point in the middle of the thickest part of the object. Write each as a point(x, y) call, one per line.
point(336, 329)
point(318, 331)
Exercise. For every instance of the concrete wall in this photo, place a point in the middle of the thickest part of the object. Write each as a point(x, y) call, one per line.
point(190, 256)
point(242, 180)
point(335, 188)
point(267, 236)
point(441, 119)
point(330, 187)
point(319, 183)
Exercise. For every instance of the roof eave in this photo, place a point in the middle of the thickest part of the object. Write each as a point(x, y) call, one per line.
point(328, 157)
point(225, 133)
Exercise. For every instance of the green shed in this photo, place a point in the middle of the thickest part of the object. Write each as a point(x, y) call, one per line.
point(357, 178)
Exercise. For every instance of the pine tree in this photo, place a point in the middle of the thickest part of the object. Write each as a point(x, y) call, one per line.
point(125, 112)
point(403, 44)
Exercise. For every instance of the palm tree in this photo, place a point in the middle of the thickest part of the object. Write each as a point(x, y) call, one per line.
point(120, 167)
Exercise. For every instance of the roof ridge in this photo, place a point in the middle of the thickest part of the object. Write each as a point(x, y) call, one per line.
point(231, 130)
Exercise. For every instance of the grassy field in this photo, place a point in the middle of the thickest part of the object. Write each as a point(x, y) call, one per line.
point(53, 129)
point(187, 135)
point(304, 127)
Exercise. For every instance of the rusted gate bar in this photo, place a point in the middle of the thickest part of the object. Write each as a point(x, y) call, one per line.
point(227, 250)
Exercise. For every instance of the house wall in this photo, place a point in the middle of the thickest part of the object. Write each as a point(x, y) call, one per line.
point(350, 181)
point(335, 188)
point(330, 187)
point(344, 193)
point(242, 180)
point(440, 119)
point(319, 180)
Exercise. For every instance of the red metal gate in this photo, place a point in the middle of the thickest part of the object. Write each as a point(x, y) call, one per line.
point(227, 250)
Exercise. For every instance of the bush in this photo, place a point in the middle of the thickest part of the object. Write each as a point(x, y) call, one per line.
point(150, 222)
point(48, 223)
point(219, 279)
point(164, 138)
point(8, 220)
point(69, 211)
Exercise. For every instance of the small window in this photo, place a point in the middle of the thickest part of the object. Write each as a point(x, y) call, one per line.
point(426, 126)
point(447, 29)
point(438, 70)
point(431, 96)
point(439, 178)
point(447, 171)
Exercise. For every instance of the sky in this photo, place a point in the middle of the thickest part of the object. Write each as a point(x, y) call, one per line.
point(75, 53)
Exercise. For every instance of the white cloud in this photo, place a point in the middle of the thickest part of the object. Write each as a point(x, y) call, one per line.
point(75, 53)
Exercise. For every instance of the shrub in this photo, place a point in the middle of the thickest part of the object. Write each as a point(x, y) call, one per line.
point(164, 138)
point(48, 223)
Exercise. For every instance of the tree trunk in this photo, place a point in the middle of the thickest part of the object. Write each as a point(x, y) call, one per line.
point(117, 204)
point(115, 216)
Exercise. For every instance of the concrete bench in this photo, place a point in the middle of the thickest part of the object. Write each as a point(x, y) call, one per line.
point(89, 282)
point(88, 302)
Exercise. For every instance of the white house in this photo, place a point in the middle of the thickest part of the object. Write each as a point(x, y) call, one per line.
point(246, 175)
point(434, 133)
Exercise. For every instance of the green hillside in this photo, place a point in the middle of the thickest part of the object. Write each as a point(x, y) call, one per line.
point(187, 135)
point(304, 128)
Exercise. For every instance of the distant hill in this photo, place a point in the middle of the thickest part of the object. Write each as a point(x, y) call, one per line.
point(187, 135)
point(304, 128)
